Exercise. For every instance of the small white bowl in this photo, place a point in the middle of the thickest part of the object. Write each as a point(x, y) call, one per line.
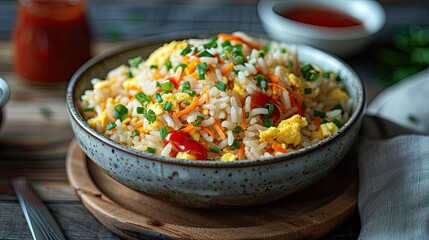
point(340, 41)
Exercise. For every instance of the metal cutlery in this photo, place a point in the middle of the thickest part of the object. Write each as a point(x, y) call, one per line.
point(41, 222)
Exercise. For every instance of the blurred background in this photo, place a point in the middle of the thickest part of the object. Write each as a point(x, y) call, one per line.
point(115, 20)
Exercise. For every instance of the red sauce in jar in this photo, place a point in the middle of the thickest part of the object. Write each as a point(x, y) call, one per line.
point(183, 142)
point(51, 39)
point(318, 16)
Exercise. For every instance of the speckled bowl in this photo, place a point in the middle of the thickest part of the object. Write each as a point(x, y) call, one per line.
point(211, 184)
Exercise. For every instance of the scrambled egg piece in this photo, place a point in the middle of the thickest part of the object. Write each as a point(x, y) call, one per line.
point(229, 157)
point(295, 80)
point(156, 108)
point(287, 132)
point(130, 83)
point(338, 94)
point(101, 85)
point(238, 89)
point(162, 54)
point(328, 129)
point(102, 119)
point(175, 99)
point(184, 155)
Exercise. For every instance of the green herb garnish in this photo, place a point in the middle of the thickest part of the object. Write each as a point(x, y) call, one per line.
point(167, 106)
point(120, 112)
point(135, 62)
point(221, 86)
point(167, 86)
point(163, 132)
point(150, 150)
point(110, 126)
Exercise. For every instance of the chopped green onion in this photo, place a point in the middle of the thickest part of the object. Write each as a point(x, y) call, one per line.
point(89, 109)
point(303, 106)
point(221, 86)
point(265, 48)
point(239, 59)
point(168, 64)
point(167, 86)
point(282, 50)
point(190, 92)
point(134, 62)
point(185, 85)
point(158, 97)
point(120, 112)
point(337, 122)
point(200, 117)
point(214, 149)
point(163, 132)
point(319, 113)
point(289, 64)
point(182, 65)
point(150, 116)
point(140, 110)
point(129, 74)
point(226, 43)
point(237, 129)
point(135, 133)
point(247, 115)
point(187, 103)
point(111, 125)
point(204, 53)
point(182, 127)
point(158, 84)
point(236, 144)
point(338, 78)
point(167, 106)
point(150, 150)
point(259, 77)
point(307, 90)
point(142, 98)
point(212, 43)
point(309, 72)
point(197, 123)
point(202, 68)
point(268, 123)
point(153, 66)
point(261, 55)
point(270, 108)
point(323, 121)
point(185, 51)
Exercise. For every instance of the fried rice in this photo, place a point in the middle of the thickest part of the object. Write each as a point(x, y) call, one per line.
point(229, 97)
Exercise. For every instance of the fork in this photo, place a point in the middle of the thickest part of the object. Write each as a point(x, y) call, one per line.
point(41, 222)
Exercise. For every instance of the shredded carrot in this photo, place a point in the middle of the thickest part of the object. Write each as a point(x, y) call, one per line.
point(258, 69)
point(273, 78)
point(279, 148)
point(224, 37)
point(140, 129)
point(114, 130)
point(228, 68)
point(188, 109)
point(210, 132)
point(299, 101)
point(194, 75)
point(218, 127)
point(192, 65)
point(243, 119)
point(138, 124)
point(185, 59)
point(317, 121)
point(272, 84)
point(240, 151)
point(188, 128)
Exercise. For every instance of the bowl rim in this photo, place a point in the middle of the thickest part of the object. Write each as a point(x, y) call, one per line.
point(74, 113)
point(271, 19)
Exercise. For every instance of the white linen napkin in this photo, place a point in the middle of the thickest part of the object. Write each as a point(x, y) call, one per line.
point(393, 199)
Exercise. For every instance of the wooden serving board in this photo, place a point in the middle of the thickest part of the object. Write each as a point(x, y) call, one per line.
point(309, 214)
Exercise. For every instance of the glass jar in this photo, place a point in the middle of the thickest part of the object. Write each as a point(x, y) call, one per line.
point(51, 39)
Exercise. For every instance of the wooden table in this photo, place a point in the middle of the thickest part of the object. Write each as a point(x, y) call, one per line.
point(35, 133)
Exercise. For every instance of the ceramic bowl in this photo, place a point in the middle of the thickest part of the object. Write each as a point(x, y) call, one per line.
point(4, 95)
point(212, 184)
point(341, 41)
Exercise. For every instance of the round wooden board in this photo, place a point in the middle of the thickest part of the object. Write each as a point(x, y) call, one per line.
point(309, 214)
